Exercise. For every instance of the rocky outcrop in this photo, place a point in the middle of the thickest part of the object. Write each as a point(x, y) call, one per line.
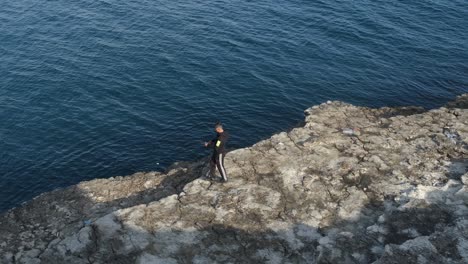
point(353, 185)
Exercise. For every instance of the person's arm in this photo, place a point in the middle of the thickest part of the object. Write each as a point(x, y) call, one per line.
point(209, 143)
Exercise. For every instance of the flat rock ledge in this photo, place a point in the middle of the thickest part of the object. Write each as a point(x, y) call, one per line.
point(353, 185)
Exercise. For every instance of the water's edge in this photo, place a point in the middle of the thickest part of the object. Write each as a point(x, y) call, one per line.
point(199, 164)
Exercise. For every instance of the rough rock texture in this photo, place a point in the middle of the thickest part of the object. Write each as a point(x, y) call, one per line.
point(353, 185)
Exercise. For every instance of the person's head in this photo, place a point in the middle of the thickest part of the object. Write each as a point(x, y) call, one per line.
point(219, 128)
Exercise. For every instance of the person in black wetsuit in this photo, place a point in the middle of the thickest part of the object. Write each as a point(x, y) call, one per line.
point(219, 151)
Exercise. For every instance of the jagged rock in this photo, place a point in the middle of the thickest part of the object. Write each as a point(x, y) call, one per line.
point(353, 185)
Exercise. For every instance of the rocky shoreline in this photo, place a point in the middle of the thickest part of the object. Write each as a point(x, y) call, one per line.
point(353, 185)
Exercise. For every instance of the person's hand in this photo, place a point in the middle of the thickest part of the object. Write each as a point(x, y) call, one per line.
point(206, 144)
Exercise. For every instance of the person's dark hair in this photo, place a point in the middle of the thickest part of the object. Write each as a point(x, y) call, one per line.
point(218, 125)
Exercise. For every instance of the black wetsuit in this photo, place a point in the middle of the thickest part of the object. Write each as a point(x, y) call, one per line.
point(219, 151)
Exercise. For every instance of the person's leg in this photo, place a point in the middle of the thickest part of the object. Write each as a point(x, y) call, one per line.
point(211, 172)
point(220, 164)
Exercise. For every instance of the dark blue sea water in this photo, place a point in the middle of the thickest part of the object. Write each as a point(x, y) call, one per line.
point(99, 88)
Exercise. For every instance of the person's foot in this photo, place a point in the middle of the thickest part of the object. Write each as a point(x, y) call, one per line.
point(217, 179)
point(208, 176)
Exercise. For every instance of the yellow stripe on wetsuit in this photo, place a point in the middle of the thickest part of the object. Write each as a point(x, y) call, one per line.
point(218, 143)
